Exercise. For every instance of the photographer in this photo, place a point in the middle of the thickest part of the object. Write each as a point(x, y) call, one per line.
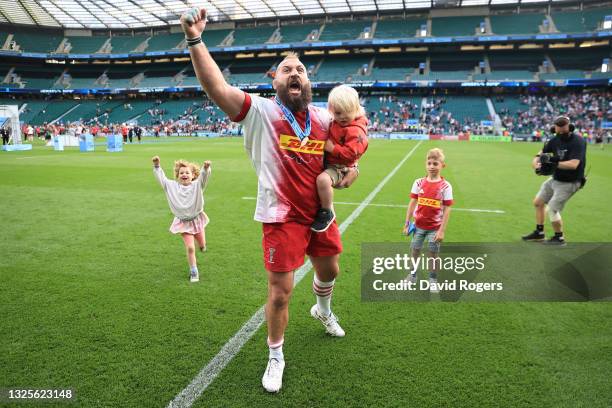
point(563, 157)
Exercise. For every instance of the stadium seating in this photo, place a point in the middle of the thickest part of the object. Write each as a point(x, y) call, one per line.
point(213, 38)
point(257, 35)
point(565, 74)
point(579, 21)
point(156, 82)
point(172, 111)
point(389, 74)
point(127, 111)
point(86, 45)
point(596, 75)
point(375, 108)
point(455, 26)
point(121, 44)
point(398, 28)
point(572, 59)
point(88, 110)
point(52, 111)
point(338, 69)
point(524, 61)
point(37, 41)
point(405, 61)
point(245, 71)
point(297, 33)
point(442, 76)
point(162, 42)
point(343, 30)
point(508, 103)
point(516, 23)
point(458, 61)
point(463, 107)
point(32, 109)
point(505, 75)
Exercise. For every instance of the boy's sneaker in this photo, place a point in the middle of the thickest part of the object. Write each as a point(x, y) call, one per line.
point(330, 322)
point(433, 285)
point(272, 379)
point(534, 236)
point(323, 220)
point(412, 278)
point(194, 277)
point(555, 240)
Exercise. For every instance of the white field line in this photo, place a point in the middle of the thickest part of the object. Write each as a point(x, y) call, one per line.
point(206, 376)
point(406, 206)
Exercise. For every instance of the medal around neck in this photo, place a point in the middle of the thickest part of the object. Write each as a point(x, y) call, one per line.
point(301, 134)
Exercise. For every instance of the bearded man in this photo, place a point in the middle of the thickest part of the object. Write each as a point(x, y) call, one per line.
point(285, 139)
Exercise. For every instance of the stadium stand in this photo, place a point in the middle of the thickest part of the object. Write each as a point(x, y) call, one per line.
point(121, 44)
point(505, 75)
point(565, 74)
point(579, 21)
point(398, 28)
point(88, 110)
point(257, 35)
point(214, 38)
point(162, 42)
point(455, 26)
point(297, 33)
point(37, 41)
point(524, 61)
point(245, 71)
point(516, 23)
point(128, 110)
point(86, 45)
point(343, 30)
point(338, 69)
point(52, 111)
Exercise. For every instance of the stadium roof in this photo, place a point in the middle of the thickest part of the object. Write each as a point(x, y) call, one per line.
point(133, 14)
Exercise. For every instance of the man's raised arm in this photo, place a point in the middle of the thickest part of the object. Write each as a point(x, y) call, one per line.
point(226, 97)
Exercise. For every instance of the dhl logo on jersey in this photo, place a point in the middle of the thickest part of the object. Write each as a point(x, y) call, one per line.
point(429, 202)
point(293, 143)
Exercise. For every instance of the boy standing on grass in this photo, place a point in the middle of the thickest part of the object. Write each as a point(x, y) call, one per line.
point(430, 201)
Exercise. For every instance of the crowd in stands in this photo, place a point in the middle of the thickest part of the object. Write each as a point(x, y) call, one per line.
point(586, 110)
point(531, 115)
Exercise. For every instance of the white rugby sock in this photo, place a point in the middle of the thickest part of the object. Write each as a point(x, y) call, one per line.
point(323, 291)
point(276, 350)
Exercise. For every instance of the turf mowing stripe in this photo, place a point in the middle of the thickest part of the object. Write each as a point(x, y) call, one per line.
point(206, 376)
point(406, 205)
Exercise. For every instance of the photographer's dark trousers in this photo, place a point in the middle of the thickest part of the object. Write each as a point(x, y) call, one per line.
point(5, 139)
point(557, 193)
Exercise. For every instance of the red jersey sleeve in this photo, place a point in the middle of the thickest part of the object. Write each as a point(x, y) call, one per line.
point(246, 105)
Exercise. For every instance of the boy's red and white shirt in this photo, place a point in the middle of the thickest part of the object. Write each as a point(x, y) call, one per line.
point(431, 198)
point(287, 169)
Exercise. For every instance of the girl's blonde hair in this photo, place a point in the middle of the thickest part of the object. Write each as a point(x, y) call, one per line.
point(436, 154)
point(345, 99)
point(195, 170)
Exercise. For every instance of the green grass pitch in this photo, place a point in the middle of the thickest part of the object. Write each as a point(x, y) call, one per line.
point(95, 294)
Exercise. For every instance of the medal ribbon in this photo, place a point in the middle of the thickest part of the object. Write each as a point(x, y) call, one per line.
point(301, 134)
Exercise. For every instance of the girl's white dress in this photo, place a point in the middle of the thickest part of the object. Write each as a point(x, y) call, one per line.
point(186, 202)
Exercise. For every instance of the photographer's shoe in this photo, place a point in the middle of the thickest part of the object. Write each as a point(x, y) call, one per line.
point(534, 236)
point(323, 220)
point(555, 240)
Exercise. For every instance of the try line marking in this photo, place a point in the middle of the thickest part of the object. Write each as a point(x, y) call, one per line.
point(206, 376)
point(406, 206)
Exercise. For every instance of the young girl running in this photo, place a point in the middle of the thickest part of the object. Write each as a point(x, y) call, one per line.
point(185, 197)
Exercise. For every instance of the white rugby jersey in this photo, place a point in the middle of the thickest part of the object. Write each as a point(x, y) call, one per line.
point(286, 170)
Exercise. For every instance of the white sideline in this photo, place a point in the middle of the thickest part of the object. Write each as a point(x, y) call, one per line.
point(406, 205)
point(206, 376)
